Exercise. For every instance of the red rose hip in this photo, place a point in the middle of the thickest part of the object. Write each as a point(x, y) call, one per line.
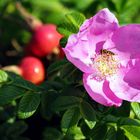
point(32, 69)
point(44, 39)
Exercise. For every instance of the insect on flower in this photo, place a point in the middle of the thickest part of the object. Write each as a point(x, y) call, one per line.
point(104, 51)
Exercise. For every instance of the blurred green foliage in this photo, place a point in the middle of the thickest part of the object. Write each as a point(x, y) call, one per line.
point(12, 25)
point(14, 32)
point(64, 107)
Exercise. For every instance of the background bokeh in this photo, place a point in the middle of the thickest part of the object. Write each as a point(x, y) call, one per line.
point(14, 32)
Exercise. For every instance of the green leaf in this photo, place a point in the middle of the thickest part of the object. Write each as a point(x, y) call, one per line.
point(111, 134)
point(67, 28)
point(121, 120)
point(87, 111)
point(136, 109)
point(99, 132)
point(128, 121)
point(86, 129)
point(75, 133)
point(70, 118)
point(120, 134)
point(28, 105)
point(3, 76)
point(71, 23)
point(20, 82)
point(17, 128)
point(9, 93)
point(110, 119)
point(132, 132)
point(52, 134)
point(46, 101)
point(67, 71)
point(64, 70)
point(76, 19)
point(90, 124)
point(70, 73)
point(65, 102)
point(55, 67)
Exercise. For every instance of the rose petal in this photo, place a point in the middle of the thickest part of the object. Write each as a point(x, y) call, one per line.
point(81, 47)
point(132, 77)
point(100, 91)
point(123, 86)
point(104, 22)
point(127, 39)
point(76, 52)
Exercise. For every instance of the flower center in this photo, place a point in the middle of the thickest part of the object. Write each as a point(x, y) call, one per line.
point(105, 64)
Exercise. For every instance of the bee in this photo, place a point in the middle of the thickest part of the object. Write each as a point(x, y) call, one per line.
point(106, 52)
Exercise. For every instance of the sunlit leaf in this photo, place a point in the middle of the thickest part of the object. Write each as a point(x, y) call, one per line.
point(70, 118)
point(71, 24)
point(28, 105)
point(3, 76)
point(136, 109)
point(87, 111)
point(132, 132)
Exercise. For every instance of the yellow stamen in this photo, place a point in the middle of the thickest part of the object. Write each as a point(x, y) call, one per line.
point(105, 65)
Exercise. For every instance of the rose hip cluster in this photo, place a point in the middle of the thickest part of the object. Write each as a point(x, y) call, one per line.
point(44, 43)
point(45, 39)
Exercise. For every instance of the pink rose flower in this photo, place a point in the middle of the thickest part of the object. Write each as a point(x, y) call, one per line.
point(109, 57)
